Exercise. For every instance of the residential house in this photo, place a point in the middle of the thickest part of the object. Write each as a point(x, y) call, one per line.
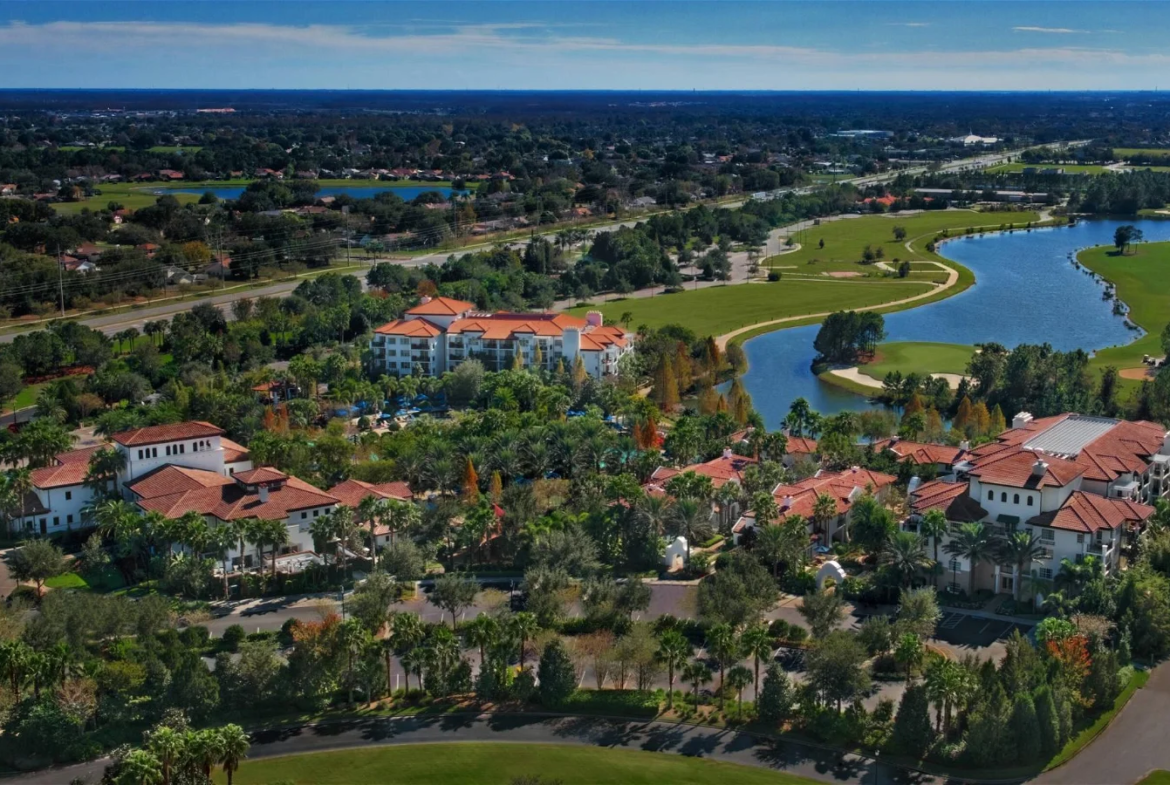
point(351, 493)
point(938, 457)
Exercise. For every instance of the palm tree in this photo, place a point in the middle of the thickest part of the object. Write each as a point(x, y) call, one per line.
point(824, 510)
point(905, 553)
point(910, 652)
point(934, 527)
point(368, 511)
point(522, 626)
point(948, 684)
point(139, 767)
point(481, 632)
point(738, 678)
point(233, 747)
point(696, 674)
point(220, 543)
point(757, 642)
point(691, 519)
point(14, 657)
point(203, 749)
point(1074, 576)
point(407, 633)
point(353, 639)
point(399, 516)
point(274, 533)
point(168, 746)
point(724, 644)
point(104, 467)
point(655, 512)
point(973, 542)
point(1019, 550)
point(673, 651)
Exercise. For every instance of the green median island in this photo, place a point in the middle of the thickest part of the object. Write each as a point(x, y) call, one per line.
point(503, 763)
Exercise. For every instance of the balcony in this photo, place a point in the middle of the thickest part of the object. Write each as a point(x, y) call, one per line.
point(1099, 548)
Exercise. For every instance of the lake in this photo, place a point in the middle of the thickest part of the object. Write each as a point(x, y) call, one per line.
point(405, 192)
point(1026, 291)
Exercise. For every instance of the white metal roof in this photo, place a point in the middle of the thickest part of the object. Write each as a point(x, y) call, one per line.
point(1069, 436)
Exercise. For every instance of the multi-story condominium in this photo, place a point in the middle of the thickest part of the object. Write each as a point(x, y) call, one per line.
point(438, 334)
point(1079, 484)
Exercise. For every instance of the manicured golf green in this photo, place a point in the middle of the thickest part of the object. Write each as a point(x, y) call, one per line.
point(845, 239)
point(922, 358)
point(502, 763)
point(1142, 279)
point(720, 309)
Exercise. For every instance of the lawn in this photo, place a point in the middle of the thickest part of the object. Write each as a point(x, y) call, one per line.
point(917, 357)
point(1156, 778)
point(1142, 279)
point(846, 239)
point(1125, 153)
point(1068, 168)
point(488, 764)
point(720, 309)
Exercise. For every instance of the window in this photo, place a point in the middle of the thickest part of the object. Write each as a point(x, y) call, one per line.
point(316, 513)
point(1045, 573)
point(68, 495)
point(1016, 499)
point(153, 452)
point(68, 519)
point(1080, 539)
point(1029, 500)
point(140, 455)
point(991, 496)
point(1048, 535)
point(304, 515)
point(1003, 496)
point(168, 449)
point(955, 566)
point(56, 520)
point(182, 448)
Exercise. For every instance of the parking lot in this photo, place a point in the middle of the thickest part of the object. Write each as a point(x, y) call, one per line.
point(984, 637)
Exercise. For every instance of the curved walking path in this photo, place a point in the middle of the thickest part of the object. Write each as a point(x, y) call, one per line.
point(717, 744)
point(952, 279)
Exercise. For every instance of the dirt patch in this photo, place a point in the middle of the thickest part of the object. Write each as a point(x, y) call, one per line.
point(1145, 372)
point(952, 379)
point(843, 274)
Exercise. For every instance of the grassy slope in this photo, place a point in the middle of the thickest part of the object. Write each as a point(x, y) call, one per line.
point(1124, 153)
point(1156, 778)
point(919, 357)
point(720, 309)
point(485, 764)
point(1068, 168)
point(845, 239)
point(1142, 279)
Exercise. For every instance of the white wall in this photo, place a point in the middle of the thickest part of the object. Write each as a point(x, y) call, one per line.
point(205, 453)
point(64, 504)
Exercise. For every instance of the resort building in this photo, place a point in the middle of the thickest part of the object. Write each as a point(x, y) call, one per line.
point(1079, 484)
point(438, 334)
point(939, 457)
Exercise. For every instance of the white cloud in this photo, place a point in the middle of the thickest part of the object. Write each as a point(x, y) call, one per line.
point(1051, 30)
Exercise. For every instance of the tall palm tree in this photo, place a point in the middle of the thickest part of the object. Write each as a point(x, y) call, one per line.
point(655, 512)
point(203, 749)
point(738, 678)
point(673, 651)
point(824, 511)
point(140, 767)
point(369, 511)
point(905, 553)
point(275, 534)
point(757, 642)
point(1074, 576)
point(696, 674)
point(481, 632)
point(691, 519)
point(724, 644)
point(220, 543)
point(399, 516)
point(522, 626)
point(241, 530)
point(1019, 550)
point(233, 747)
point(168, 746)
point(407, 633)
point(934, 527)
point(973, 542)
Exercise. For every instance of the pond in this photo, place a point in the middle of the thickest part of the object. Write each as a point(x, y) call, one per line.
point(1026, 291)
point(405, 192)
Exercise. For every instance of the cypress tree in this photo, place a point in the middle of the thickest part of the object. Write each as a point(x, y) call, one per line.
point(1049, 722)
point(557, 676)
point(775, 701)
point(913, 733)
point(1026, 729)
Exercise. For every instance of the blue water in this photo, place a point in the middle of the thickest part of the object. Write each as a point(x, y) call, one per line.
point(1026, 291)
point(406, 192)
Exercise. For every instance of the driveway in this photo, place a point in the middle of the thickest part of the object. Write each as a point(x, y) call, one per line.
point(1131, 747)
point(720, 745)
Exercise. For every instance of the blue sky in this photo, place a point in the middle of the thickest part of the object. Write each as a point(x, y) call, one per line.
point(714, 45)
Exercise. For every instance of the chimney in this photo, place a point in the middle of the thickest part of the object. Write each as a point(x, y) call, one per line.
point(915, 482)
point(1165, 444)
point(1021, 419)
point(727, 453)
point(424, 300)
point(965, 445)
point(786, 503)
point(593, 318)
point(263, 489)
point(1039, 468)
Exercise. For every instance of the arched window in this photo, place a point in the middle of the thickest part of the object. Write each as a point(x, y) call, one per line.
point(991, 496)
point(1016, 499)
point(1029, 500)
point(1003, 496)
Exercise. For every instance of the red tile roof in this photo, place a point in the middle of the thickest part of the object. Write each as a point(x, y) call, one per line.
point(70, 469)
point(1086, 512)
point(950, 497)
point(175, 490)
point(411, 328)
point(919, 452)
point(721, 470)
point(441, 306)
point(173, 432)
point(838, 485)
point(233, 452)
point(261, 475)
point(801, 445)
point(351, 492)
point(1013, 467)
point(1124, 448)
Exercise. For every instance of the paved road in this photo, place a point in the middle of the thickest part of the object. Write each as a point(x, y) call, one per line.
point(719, 745)
point(1131, 747)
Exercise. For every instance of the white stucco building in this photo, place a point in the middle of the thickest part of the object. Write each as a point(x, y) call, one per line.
point(438, 334)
